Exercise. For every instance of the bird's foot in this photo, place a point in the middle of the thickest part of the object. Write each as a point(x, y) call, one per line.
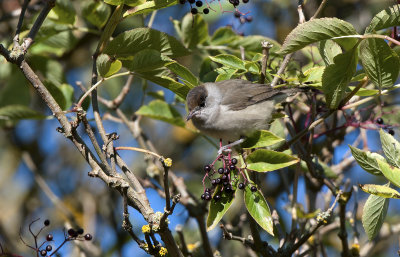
point(227, 148)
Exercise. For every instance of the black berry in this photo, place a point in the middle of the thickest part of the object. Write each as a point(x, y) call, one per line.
point(379, 121)
point(228, 189)
point(72, 232)
point(182, 1)
point(80, 231)
point(249, 18)
point(226, 171)
point(391, 132)
point(43, 252)
point(237, 14)
point(208, 190)
point(203, 197)
point(194, 11)
point(199, 3)
point(218, 180)
point(224, 177)
point(234, 161)
point(206, 10)
point(221, 170)
point(232, 167)
point(225, 183)
point(49, 237)
point(207, 168)
point(253, 189)
point(192, 1)
point(207, 197)
point(241, 186)
point(217, 197)
point(245, 1)
point(88, 237)
point(214, 182)
point(49, 248)
point(46, 222)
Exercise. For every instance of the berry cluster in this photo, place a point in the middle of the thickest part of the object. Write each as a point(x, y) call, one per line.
point(48, 249)
point(381, 122)
point(242, 17)
point(226, 180)
point(198, 3)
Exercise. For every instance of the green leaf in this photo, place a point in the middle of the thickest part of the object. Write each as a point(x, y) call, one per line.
point(194, 30)
point(147, 6)
point(263, 160)
point(390, 17)
point(228, 60)
point(160, 110)
point(161, 77)
point(96, 12)
point(222, 36)
point(68, 92)
point(367, 160)
point(317, 30)
point(320, 167)
point(224, 73)
point(14, 89)
point(261, 138)
point(374, 214)
point(128, 43)
point(219, 208)
point(114, 2)
point(314, 74)
point(50, 69)
point(57, 94)
point(391, 148)
point(258, 208)
point(380, 62)
point(253, 44)
point(63, 12)
point(208, 70)
point(147, 60)
point(391, 173)
point(18, 112)
point(187, 76)
point(382, 191)
point(107, 66)
point(337, 76)
point(328, 49)
point(53, 39)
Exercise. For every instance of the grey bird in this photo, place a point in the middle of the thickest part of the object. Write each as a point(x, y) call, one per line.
point(232, 109)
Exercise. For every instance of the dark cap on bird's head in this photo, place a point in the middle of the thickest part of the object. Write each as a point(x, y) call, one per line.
point(195, 100)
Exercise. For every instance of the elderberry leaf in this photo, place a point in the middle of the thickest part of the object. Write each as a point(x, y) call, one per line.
point(160, 110)
point(337, 76)
point(261, 138)
point(390, 17)
point(390, 172)
point(258, 208)
point(263, 160)
point(374, 213)
point(318, 30)
point(380, 62)
point(379, 190)
point(367, 160)
point(220, 207)
point(128, 43)
point(391, 148)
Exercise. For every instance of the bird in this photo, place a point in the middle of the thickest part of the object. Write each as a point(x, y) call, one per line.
point(231, 110)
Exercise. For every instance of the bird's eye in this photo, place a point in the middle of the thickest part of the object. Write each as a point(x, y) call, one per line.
point(203, 104)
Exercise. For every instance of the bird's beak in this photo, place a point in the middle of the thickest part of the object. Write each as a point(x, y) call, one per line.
point(192, 113)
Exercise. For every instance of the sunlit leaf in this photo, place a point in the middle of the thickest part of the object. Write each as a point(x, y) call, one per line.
point(382, 191)
point(160, 110)
point(374, 214)
point(263, 160)
point(367, 160)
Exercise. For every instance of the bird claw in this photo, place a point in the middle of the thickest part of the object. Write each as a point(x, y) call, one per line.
point(224, 149)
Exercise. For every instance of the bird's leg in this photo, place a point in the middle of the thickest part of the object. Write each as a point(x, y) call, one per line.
point(226, 148)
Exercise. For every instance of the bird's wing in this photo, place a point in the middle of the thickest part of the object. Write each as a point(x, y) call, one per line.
point(239, 94)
